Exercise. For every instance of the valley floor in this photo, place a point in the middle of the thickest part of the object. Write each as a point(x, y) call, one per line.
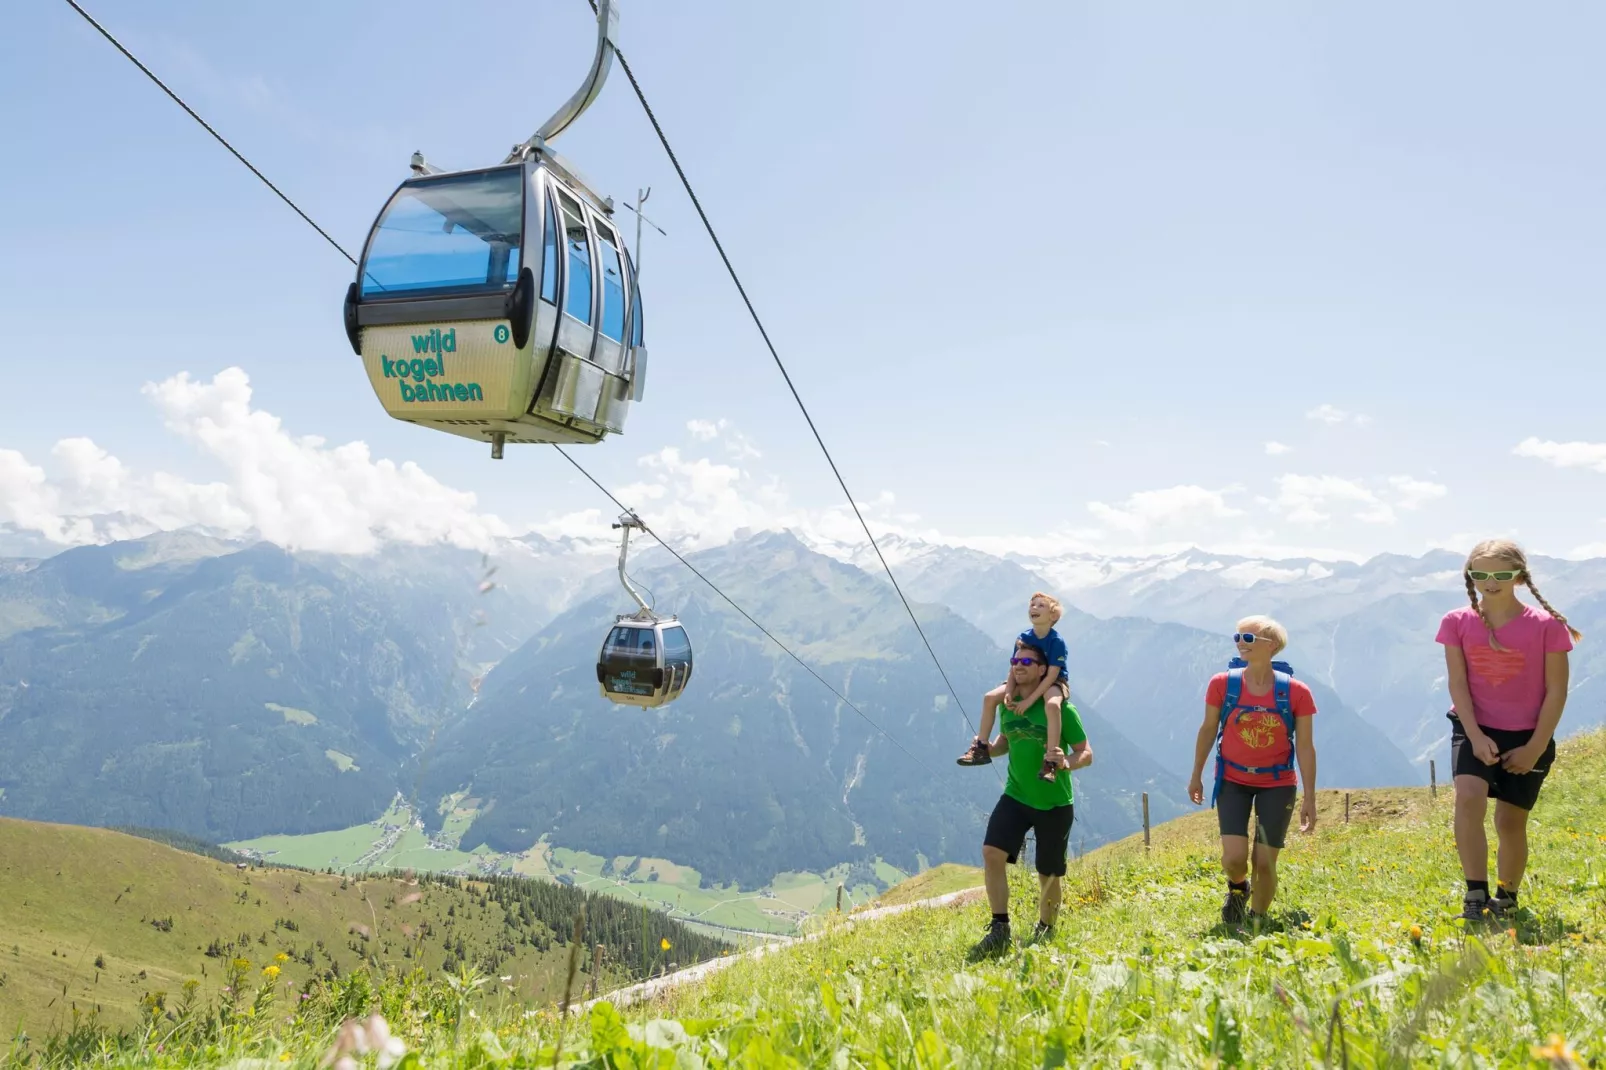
point(396, 840)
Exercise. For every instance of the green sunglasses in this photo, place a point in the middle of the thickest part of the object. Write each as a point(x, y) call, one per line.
point(1503, 576)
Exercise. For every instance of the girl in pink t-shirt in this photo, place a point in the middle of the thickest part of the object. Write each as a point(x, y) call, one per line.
point(1507, 667)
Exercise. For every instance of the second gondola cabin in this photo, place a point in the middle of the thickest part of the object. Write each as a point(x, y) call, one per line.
point(645, 661)
point(501, 305)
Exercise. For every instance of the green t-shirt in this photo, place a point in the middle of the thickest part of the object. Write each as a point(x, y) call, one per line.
point(1027, 733)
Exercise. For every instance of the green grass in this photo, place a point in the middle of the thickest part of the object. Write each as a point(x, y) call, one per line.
point(85, 913)
point(939, 880)
point(1362, 965)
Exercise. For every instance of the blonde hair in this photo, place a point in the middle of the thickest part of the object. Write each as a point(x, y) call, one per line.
point(1509, 552)
point(1053, 604)
point(1267, 626)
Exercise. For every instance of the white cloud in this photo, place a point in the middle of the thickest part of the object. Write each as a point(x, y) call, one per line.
point(1591, 455)
point(1310, 499)
point(736, 444)
point(1333, 416)
point(297, 492)
point(1414, 493)
point(1149, 509)
point(1277, 449)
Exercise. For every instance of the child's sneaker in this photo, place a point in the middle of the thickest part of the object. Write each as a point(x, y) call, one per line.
point(977, 754)
point(1050, 770)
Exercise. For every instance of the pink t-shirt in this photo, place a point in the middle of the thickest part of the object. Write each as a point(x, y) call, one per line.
point(1508, 686)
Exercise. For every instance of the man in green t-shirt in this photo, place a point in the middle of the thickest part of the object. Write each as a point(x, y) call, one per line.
point(1029, 802)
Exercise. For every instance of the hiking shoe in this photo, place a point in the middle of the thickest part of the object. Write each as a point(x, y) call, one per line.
point(1502, 903)
point(1050, 771)
point(996, 942)
point(1042, 932)
point(1235, 908)
point(1476, 906)
point(977, 754)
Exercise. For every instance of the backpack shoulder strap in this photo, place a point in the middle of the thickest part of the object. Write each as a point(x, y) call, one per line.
point(1235, 688)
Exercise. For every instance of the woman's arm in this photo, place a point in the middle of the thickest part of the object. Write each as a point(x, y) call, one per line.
point(1305, 753)
point(1201, 751)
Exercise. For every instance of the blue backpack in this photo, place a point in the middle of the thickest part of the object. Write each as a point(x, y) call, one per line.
point(1282, 677)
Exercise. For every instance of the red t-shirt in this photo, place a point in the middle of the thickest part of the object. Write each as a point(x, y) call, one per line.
point(1257, 739)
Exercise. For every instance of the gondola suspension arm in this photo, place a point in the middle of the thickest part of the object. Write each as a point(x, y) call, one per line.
point(601, 63)
point(628, 521)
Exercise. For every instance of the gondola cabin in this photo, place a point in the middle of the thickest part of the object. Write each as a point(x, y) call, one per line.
point(644, 662)
point(501, 305)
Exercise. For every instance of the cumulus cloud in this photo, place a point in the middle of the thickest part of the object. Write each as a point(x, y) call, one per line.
point(1415, 493)
point(1149, 509)
point(298, 492)
point(1277, 449)
point(735, 443)
point(1312, 500)
point(1590, 455)
point(1333, 416)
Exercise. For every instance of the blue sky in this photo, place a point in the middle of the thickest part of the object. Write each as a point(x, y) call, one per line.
point(1052, 273)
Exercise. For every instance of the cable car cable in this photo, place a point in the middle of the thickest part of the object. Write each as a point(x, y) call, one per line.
point(221, 140)
point(663, 139)
point(695, 571)
point(768, 634)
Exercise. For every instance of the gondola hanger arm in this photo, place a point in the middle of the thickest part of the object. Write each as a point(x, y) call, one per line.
point(601, 63)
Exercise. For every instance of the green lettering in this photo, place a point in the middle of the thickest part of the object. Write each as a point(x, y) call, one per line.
point(460, 391)
point(431, 368)
point(408, 394)
point(474, 393)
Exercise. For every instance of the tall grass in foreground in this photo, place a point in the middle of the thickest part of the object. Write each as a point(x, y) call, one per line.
point(1362, 965)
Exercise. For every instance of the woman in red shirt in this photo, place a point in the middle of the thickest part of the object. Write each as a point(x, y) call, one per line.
point(1256, 740)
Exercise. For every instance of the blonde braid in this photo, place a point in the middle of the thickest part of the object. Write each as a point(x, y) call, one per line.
point(1574, 632)
point(1477, 607)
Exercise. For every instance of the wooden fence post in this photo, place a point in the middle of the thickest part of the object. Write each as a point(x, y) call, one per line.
point(1346, 808)
point(1433, 779)
point(1145, 819)
point(596, 969)
point(839, 899)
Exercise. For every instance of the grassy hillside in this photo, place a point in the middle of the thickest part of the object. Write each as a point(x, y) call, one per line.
point(95, 919)
point(1362, 965)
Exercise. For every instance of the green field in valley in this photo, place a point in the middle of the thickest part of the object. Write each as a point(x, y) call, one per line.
point(395, 840)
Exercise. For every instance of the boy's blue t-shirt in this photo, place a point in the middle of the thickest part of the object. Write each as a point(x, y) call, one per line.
point(1052, 647)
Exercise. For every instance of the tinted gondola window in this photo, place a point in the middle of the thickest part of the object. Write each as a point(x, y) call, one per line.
point(549, 256)
point(452, 234)
point(613, 285)
point(578, 242)
point(676, 646)
point(629, 643)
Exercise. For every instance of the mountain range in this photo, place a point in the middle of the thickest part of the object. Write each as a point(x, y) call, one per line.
point(231, 689)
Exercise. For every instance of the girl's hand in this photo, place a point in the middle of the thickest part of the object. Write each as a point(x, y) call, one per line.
point(1522, 759)
point(1307, 814)
point(1196, 791)
point(1486, 749)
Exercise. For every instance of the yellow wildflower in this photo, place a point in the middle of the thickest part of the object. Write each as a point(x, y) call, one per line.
point(281, 958)
point(1558, 1052)
point(270, 972)
point(664, 944)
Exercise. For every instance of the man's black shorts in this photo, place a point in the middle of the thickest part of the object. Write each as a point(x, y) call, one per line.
point(1006, 830)
point(1521, 791)
point(1274, 808)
